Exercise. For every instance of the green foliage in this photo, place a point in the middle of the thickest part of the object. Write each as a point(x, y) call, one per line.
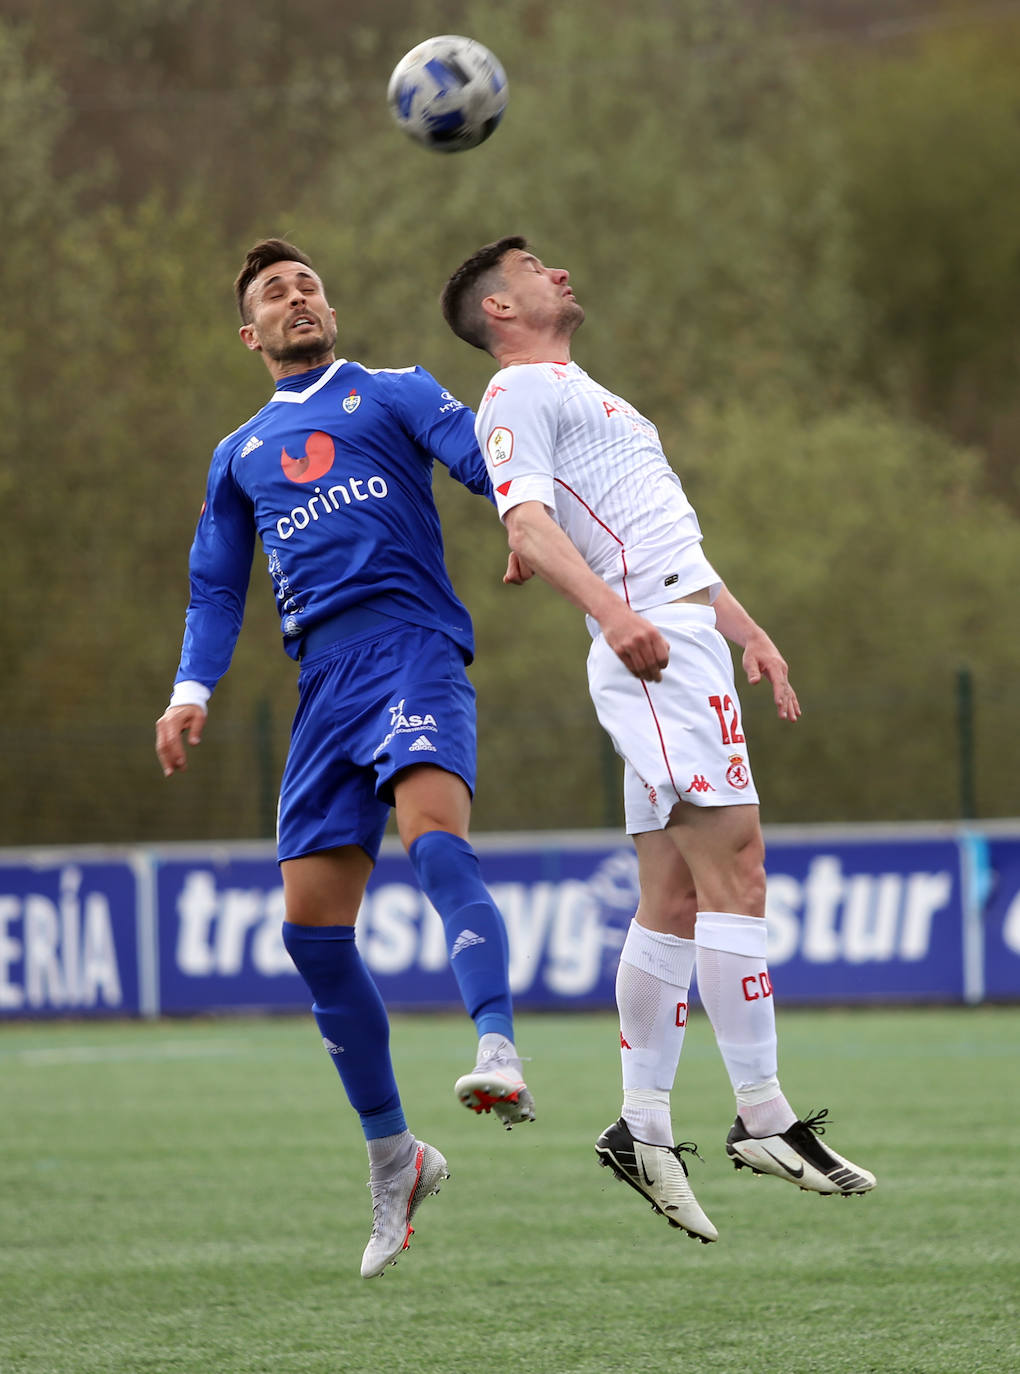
point(930, 153)
point(870, 541)
point(799, 261)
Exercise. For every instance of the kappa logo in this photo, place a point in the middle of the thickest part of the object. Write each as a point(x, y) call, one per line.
point(253, 443)
point(351, 401)
point(499, 447)
point(464, 941)
point(421, 743)
point(492, 392)
point(737, 774)
point(700, 783)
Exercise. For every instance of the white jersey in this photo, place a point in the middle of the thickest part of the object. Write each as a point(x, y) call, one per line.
point(550, 433)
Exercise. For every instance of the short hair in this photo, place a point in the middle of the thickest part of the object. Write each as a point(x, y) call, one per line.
point(261, 255)
point(462, 297)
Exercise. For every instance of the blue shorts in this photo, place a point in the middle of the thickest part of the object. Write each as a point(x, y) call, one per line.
point(383, 700)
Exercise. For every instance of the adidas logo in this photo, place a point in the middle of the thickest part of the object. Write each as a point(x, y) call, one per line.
point(465, 940)
point(250, 447)
point(333, 1049)
point(421, 743)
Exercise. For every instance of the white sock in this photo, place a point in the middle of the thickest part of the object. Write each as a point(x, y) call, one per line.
point(764, 1110)
point(652, 984)
point(736, 992)
point(646, 1112)
point(500, 1046)
point(388, 1154)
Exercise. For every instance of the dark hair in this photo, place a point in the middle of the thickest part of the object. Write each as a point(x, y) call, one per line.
point(263, 254)
point(462, 297)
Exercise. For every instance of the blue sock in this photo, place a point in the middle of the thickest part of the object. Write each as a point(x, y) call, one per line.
point(450, 876)
point(352, 1020)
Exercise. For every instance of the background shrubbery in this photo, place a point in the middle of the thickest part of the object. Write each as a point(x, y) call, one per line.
point(794, 230)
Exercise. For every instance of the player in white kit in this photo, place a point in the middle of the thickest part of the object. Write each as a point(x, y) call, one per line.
point(591, 504)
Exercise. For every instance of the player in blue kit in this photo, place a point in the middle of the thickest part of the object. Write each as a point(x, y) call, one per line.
point(334, 476)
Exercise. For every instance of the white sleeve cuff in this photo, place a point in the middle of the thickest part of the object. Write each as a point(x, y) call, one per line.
point(534, 487)
point(190, 694)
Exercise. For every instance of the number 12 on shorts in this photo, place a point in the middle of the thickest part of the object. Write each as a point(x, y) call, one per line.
point(729, 719)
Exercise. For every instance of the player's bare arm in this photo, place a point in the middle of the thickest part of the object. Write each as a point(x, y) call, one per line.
point(541, 545)
point(172, 726)
point(761, 658)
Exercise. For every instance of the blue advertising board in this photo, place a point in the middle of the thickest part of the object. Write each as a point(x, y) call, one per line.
point(854, 915)
point(219, 935)
point(874, 920)
point(69, 936)
point(1001, 962)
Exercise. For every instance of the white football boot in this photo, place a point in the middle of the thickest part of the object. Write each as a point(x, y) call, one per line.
point(495, 1085)
point(800, 1157)
point(657, 1172)
point(395, 1202)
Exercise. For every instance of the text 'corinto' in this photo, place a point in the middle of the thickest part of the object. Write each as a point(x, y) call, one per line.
point(334, 498)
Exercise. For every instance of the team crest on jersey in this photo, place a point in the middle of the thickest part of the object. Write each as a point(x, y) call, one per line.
point(737, 774)
point(351, 401)
point(499, 447)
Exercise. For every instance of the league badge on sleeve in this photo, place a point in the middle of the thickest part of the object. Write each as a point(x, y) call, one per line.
point(499, 447)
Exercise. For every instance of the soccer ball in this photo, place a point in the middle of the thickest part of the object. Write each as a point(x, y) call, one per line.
point(448, 93)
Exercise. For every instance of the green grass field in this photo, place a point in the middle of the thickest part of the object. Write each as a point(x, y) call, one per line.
point(190, 1196)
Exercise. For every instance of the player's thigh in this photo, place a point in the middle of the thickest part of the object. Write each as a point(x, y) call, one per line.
point(677, 736)
point(426, 726)
point(725, 851)
point(668, 901)
point(429, 798)
point(327, 794)
point(326, 889)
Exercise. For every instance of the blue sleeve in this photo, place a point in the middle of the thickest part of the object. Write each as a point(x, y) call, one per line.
point(219, 568)
point(444, 427)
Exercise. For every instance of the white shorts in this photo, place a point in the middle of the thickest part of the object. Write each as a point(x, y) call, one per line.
point(681, 739)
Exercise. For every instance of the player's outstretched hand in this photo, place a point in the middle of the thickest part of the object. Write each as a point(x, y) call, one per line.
point(517, 571)
point(172, 726)
point(763, 660)
point(638, 644)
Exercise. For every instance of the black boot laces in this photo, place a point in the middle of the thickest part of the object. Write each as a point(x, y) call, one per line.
point(814, 1122)
point(686, 1147)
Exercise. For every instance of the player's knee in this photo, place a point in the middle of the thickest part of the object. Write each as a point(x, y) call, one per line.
point(673, 910)
point(429, 798)
point(749, 872)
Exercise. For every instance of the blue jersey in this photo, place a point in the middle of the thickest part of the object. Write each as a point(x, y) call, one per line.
point(334, 474)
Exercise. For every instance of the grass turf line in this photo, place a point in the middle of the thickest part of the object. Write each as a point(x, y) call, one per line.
point(190, 1197)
